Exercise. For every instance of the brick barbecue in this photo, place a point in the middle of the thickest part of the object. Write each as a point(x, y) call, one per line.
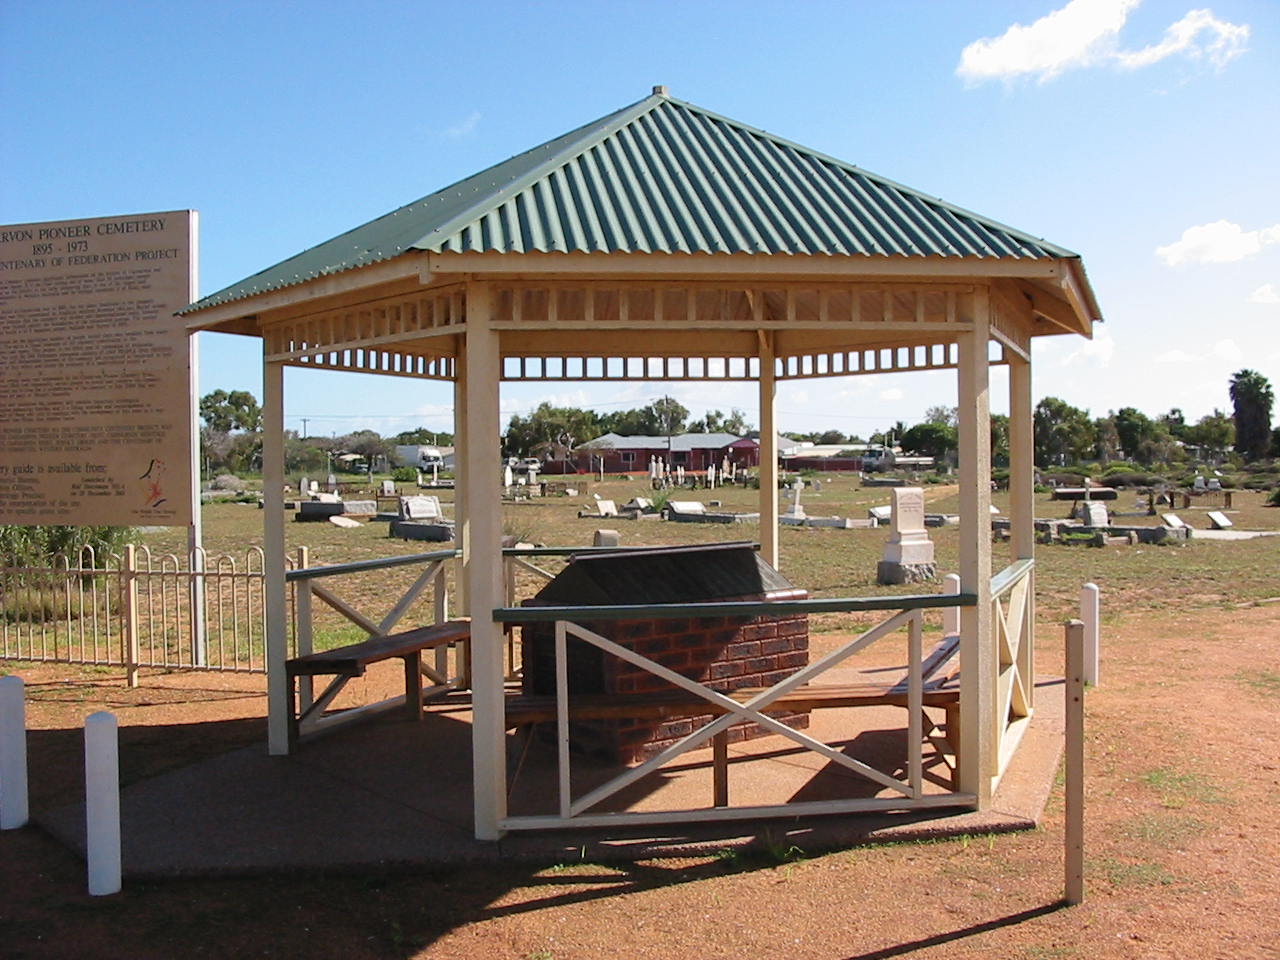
point(725, 653)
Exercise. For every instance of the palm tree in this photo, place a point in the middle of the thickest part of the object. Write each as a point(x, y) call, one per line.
point(1253, 398)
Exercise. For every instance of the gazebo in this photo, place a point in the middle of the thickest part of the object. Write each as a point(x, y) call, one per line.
point(666, 242)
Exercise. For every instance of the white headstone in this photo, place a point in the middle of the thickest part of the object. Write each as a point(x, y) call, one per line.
point(507, 477)
point(1172, 520)
point(304, 486)
point(315, 487)
point(333, 484)
point(711, 476)
point(420, 508)
point(388, 488)
point(1096, 514)
point(1219, 520)
point(909, 541)
point(1198, 485)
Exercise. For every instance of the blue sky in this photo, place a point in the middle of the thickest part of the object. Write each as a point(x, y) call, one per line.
point(1143, 134)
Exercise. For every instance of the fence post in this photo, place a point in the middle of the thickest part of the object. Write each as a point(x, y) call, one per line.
point(305, 638)
point(951, 615)
point(13, 754)
point(129, 608)
point(1089, 613)
point(1074, 788)
point(102, 803)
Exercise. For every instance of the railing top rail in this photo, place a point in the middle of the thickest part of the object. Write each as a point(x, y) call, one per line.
point(732, 608)
point(568, 551)
point(360, 566)
point(1010, 575)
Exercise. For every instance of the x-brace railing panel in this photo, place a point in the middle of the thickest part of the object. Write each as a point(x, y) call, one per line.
point(751, 709)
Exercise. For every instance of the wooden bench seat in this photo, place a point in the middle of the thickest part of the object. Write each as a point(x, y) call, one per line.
point(346, 663)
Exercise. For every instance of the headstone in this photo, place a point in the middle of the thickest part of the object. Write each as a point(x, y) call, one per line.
point(332, 483)
point(1172, 520)
point(606, 538)
point(420, 508)
point(1214, 484)
point(880, 515)
point(315, 488)
point(388, 488)
point(608, 508)
point(507, 477)
point(908, 554)
point(304, 487)
point(347, 522)
point(796, 511)
point(1198, 485)
point(1219, 520)
point(687, 507)
point(711, 476)
point(1096, 514)
point(328, 498)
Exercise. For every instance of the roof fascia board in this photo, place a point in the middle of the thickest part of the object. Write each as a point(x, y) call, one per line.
point(1080, 294)
point(404, 267)
point(584, 265)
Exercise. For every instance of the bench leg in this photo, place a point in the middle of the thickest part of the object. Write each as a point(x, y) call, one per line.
point(720, 769)
point(413, 684)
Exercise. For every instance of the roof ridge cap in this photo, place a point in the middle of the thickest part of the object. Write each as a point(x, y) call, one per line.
point(598, 130)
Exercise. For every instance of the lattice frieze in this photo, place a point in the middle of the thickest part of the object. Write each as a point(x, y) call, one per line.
point(390, 325)
point(603, 305)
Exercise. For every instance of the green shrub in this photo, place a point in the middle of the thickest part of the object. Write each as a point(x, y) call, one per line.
point(404, 475)
point(38, 546)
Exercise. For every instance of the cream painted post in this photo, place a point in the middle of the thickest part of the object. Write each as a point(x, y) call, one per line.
point(459, 465)
point(129, 612)
point(273, 556)
point(768, 449)
point(482, 563)
point(1022, 508)
point(978, 757)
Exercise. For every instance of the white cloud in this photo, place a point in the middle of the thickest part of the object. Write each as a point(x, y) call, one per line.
point(464, 128)
point(1176, 356)
point(1267, 293)
point(1085, 33)
point(893, 393)
point(1217, 242)
point(1222, 42)
point(1099, 351)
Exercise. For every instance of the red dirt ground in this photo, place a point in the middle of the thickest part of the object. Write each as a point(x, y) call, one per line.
point(1183, 845)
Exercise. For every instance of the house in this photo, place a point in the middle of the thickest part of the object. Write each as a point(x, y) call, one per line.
point(693, 451)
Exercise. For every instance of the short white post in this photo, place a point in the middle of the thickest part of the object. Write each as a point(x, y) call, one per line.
point(13, 754)
point(1089, 614)
point(102, 803)
point(1074, 788)
point(951, 615)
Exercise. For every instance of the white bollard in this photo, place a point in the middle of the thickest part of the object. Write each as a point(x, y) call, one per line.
point(951, 615)
point(102, 803)
point(13, 754)
point(1089, 615)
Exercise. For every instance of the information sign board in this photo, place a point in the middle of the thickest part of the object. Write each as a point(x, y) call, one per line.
point(96, 371)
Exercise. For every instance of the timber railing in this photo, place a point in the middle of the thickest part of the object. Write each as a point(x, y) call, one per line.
point(906, 791)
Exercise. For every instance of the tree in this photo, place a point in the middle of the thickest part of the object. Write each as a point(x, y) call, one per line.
point(717, 422)
point(946, 416)
point(227, 412)
point(930, 440)
point(422, 437)
point(528, 436)
point(999, 438)
point(1253, 398)
point(1063, 433)
point(831, 436)
point(1213, 434)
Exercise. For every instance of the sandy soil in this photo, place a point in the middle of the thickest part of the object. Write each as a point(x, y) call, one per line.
point(1183, 847)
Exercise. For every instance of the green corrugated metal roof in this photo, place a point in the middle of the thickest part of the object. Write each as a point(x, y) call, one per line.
point(662, 176)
